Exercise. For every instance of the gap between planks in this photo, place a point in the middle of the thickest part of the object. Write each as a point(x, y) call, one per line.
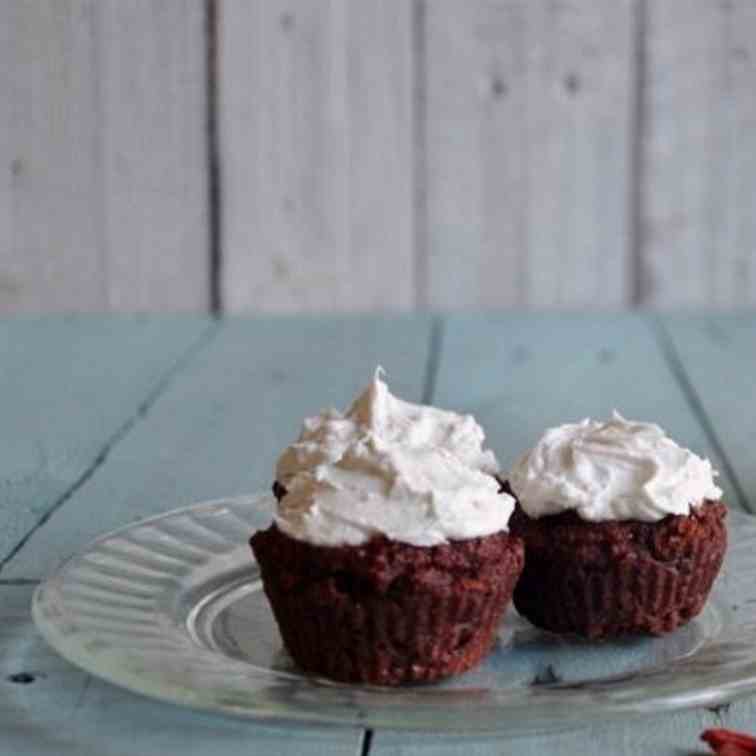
point(20, 582)
point(637, 276)
point(677, 367)
point(121, 432)
point(420, 152)
point(434, 358)
point(367, 742)
point(214, 164)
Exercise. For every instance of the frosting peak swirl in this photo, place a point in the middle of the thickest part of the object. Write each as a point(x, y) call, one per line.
point(614, 470)
point(416, 474)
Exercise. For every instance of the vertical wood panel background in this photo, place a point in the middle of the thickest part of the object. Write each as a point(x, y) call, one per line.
point(316, 148)
point(103, 191)
point(300, 155)
point(699, 154)
point(528, 128)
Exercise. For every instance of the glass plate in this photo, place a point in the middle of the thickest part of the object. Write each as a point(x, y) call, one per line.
point(172, 607)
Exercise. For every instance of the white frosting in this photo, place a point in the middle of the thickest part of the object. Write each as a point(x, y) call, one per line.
point(413, 473)
point(617, 470)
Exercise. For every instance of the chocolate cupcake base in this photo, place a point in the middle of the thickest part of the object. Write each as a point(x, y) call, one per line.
point(609, 579)
point(388, 613)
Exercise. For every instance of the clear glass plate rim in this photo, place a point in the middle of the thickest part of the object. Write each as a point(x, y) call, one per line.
point(355, 705)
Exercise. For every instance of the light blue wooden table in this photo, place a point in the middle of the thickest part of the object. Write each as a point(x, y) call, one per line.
point(106, 421)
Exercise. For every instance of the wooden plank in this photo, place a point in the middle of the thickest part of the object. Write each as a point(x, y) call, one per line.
point(153, 157)
point(103, 191)
point(67, 388)
point(520, 374)
point(717, 355)
point(53, 255)
point(316, 141)
point(527, 135)
point(699, 161)
point(218, 429)
point(64, 712)
point(672, 735)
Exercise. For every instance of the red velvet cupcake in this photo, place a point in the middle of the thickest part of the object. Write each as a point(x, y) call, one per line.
point(624, 530)
point(389, 560)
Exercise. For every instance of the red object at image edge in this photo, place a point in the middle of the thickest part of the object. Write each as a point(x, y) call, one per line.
point(729, 743)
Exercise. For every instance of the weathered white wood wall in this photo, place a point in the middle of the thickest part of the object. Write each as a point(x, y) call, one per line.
point(526, 135)
point(103, 191)
point(315, 107)
point(349, 155)
point(698, 220)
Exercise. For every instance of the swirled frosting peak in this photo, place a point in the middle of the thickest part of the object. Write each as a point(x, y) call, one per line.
point(614, 470)
point(416, 474)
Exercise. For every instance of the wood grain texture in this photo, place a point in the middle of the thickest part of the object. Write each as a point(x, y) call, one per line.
point(67, 388)
point(717, 354)
point(102, 195)
point(152, 115)
point(219, 427)
point(527, 130)
point(64, 712)
point(52, 256)
point(316, 148)
point(699, 163)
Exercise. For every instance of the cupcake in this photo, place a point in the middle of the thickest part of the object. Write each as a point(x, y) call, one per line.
point(624, 530)
point(389, 560)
